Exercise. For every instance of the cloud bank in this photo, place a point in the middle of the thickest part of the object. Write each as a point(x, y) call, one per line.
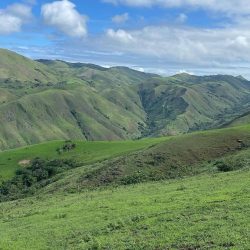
point(227, 6)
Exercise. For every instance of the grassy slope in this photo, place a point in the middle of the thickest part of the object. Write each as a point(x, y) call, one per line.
point(240, 121)
point(190, 213)
point(16, 67)
point(201, 212)
point(177, 157)
point(155, 161)
point(73, 112)
point(85, 152)
point(89, 102)
point(177, 104)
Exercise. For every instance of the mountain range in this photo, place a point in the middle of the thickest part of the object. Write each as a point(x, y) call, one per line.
point(44, 100)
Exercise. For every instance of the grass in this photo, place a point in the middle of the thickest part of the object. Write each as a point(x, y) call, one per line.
point(184, 155)
point(180, 150)
point(202, 212)
point(85, 152)
point(207, 211)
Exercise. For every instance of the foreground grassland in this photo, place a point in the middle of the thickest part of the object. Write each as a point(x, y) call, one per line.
point(85, 152)
point(195, 204)
point(202, 212)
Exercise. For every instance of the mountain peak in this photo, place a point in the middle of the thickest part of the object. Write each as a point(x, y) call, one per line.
point(241, 77)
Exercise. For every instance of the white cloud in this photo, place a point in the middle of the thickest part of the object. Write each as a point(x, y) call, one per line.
point(120, 36)
point(63, 16)
point(183, 71)
point(182, 18)
point(184, 45)
point(14, 17)
point(227, 6)
point(120, 18)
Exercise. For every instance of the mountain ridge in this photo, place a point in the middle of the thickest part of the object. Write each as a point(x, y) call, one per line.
point(61, 100)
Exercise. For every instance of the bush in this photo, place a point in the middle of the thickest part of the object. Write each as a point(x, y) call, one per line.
point(230, 164)
point(68, 146)
point(133, 179)
point(223, 167)
point(37, 175)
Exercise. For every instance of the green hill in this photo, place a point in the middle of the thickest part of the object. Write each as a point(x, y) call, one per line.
point(174, 105)
point(55, 100)
point(86, 152)
point(177, 157)
point(127, 162)
point(17, 69)
point(177, 192)
point(201, 212)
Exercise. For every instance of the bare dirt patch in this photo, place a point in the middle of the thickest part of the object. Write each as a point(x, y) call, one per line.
point(24, 163)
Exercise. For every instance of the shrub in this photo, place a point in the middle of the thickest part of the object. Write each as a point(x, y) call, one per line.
point(37, 175)
point(223, 167)
point(230, 164)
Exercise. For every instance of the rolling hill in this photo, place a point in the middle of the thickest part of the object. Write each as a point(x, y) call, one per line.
point(111, 163)
point(108, 203)
point(18, 70)
point(85, 172)
point(54, 100)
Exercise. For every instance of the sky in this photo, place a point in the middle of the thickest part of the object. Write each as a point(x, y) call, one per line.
point(162, 36)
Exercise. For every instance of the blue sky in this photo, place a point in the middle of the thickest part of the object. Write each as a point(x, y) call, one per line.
point(162, 36)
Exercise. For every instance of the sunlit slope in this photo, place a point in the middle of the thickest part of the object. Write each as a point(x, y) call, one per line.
point(194, 213)
point(17, 69)
point(55, 100)
point(159, 158)
point(176, 157)
point(86, 152)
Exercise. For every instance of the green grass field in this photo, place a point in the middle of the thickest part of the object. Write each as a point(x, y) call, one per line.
point(85, 152)
point(209, 210)
point(202, 212)
point(108, 189)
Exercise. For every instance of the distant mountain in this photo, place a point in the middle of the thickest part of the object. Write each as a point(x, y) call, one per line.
point(47, 100)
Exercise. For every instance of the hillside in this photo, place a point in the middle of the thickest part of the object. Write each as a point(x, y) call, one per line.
point(190, 189)
point(17, 70)
point(85, 152)
point(191, 213)
point(176, 104)
point(240, 121)
point(174, 157)
point(55, 100)
point(95, 164)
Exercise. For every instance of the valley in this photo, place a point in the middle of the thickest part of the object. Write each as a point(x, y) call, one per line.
point(88, 102)
point(114, 158)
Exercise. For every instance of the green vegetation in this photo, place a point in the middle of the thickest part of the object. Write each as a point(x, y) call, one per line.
point(120, 163)
point(180, 156)
point(17, 69)
point(240, 121)
point(84, 152)
point(38, 174)
point(202, 212)
point(94, 182)
point(54, 100)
